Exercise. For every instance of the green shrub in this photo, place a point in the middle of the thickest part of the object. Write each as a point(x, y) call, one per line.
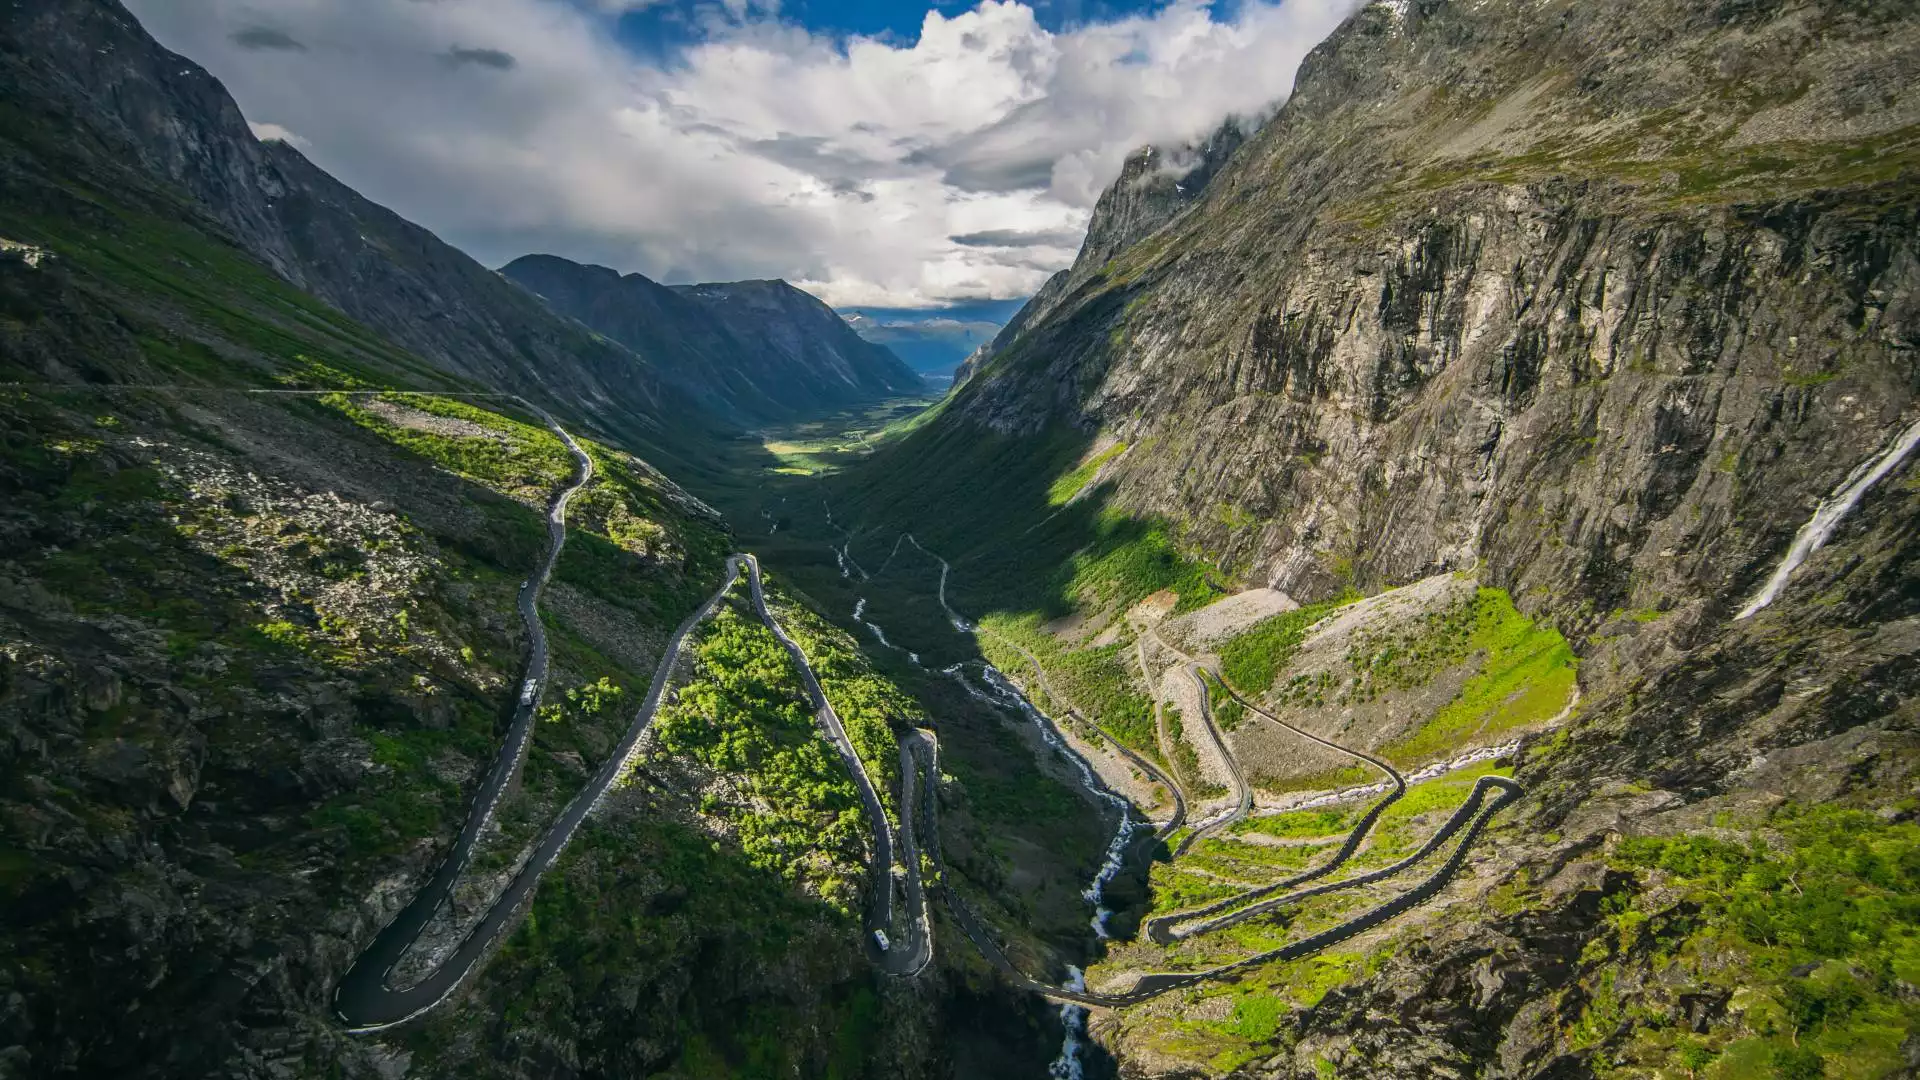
point(1250, 660)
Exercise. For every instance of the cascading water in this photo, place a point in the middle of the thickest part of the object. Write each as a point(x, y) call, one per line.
point(1068, 1066)
point(1074, 1018)
point(1115, 860)
point(859, 616)
point(1826, 517)
point(1002, 693)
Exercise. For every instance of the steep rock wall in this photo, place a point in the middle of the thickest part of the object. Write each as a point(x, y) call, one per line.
point(1502, 282)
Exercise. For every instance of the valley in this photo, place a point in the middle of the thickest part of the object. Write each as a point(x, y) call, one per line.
point(1432, 590)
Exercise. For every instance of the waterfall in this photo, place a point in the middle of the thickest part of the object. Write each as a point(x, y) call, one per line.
point(1826, 517)
point(1074, 1018)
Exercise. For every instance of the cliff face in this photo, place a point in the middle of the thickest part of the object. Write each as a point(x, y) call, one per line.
point(1599, 302)
point(753, 350)
point(1505, 283)
point(1155, 186)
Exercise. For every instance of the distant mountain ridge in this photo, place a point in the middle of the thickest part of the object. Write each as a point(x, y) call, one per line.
point(934, 347)
point(751, 350)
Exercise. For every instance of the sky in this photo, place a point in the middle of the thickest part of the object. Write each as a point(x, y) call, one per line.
point(878, 154)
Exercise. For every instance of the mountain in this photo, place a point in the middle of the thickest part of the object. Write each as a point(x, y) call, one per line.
point(281, 588)
point(102, 116)
point(933, 347)
point(1473, 515)
point(1154, 186)
point(752, 350)
point(1611, 311)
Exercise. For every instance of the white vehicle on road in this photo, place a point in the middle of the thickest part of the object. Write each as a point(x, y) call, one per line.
point(526, 692)
point(880, 939)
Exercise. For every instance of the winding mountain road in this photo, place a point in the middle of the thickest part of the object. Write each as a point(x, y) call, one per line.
point(1489, 796)
point(364, 1000)
point(919, 792)
point(880, 897)
point(1168, 928)
point(1242, 791)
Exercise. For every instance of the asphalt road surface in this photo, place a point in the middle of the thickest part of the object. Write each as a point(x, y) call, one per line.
point(1489, 796)
point(364, 1000)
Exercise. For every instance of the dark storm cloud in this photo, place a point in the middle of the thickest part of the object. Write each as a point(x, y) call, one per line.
point(984, 172)
point(262, 37)
point(487, 58)
point(1014, 153)
point(810, 154)
point(1015, 238)
point(1032, 174)
point(844, 172)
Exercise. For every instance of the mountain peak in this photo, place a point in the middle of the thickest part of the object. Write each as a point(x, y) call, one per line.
point(755, 350)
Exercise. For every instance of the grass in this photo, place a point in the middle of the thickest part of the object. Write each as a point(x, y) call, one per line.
point(1069, 484)
point(1097, 682)
point(248, 326)
point(745, 715)
point(828, 444)
point(1186, 760)
point(514, 457)
point(1015, 550)
point(1297, 824)
point(655, 920)
point(870, 707)
point(1690, 170)
point(1262, 1008)
point(1808, 926)
point(1527, 676)
point(1129, 562)
point(1250, 660)
point(1525, 671)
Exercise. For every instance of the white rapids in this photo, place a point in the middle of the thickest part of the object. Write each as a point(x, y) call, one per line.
point(1826, 517)
point(1006, 695)
point(860, 616)
point(1074, 1018)
point(1001, 692)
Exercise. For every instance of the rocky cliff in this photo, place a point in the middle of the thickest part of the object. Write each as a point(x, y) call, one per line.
point(1155, 185)
point(752, 350)
point(1599, 302)
point(1503, 283)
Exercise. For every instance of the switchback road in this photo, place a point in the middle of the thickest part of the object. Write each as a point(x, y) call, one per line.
point(1489, 796)
point(364, 1000)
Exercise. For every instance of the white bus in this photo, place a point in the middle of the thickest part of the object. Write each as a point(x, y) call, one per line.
point(880, 939)
point(527, 691)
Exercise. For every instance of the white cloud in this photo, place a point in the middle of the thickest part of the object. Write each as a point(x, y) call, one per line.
point(275, 133)
point(762, 151)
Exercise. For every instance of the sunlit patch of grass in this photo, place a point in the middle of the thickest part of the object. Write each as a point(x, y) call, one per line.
point(1069, 484)
point(1250, 660)
point(1527, 677)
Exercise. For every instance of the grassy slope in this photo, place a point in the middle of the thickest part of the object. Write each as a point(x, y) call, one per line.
point(1523, 672)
